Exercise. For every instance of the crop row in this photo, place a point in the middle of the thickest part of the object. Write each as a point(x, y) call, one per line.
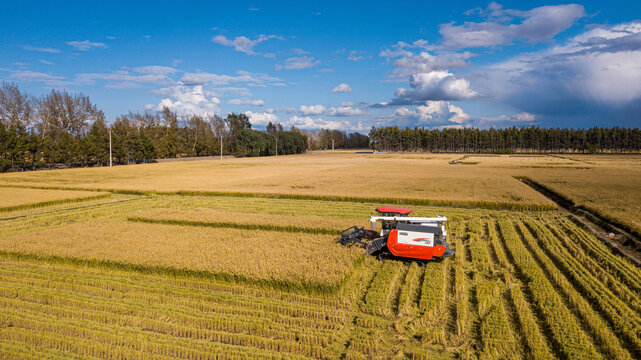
point(567, 271)
point(564, 328)
point(56, 308)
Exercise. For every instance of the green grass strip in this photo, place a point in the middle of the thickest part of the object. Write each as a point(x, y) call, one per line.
point(262, 227)
point(53, 202)
point(492, 205)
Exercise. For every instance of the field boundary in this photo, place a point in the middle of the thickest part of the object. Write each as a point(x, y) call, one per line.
point(310, 288)
point(629, 246)
point(490, 205)
point(53, 202)
point(230, 225)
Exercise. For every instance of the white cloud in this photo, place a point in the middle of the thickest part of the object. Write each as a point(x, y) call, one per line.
point(246, 102)
point(595, 75)
point(355, 56)
point(346, 111)
point(435, 85)
point(342, 88)
point(202, 78)
point(300, 52)
point(538, 24)
point(155, 70)
point(298, 63)
point(433, 113)
point(46, 62)
point(188, 100)
point(307, 122)
point(425, 62)
point(312, 109)
point(243, 43)
point(85, 45)
point(41, 49)
point(26, 75)
point(261, 119)
point(400, 49)
point(124, 79)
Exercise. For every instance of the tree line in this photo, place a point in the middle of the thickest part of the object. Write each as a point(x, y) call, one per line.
point(508, 140)
point(62, 129)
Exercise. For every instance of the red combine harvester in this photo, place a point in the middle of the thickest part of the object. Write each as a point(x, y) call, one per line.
point(402, 237)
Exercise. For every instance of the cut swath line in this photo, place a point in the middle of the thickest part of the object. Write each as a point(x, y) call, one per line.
point(262, 227)
point(53, 202)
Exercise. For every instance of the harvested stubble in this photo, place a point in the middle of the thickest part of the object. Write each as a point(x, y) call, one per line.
point(303, 259)
point(533, 296)
point(77, 311)
point(16, 198)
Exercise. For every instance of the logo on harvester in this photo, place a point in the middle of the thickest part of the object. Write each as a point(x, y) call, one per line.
point(402, 233)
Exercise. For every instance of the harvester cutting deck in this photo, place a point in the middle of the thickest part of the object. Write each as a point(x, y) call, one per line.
point(416, 238)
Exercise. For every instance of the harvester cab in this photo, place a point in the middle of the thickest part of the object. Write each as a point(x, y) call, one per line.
point(401, 236)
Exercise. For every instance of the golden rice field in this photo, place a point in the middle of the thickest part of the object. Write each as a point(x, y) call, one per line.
point(12, 198)
point(227, 276)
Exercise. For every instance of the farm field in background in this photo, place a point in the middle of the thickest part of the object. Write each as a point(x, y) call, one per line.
point(148, 275)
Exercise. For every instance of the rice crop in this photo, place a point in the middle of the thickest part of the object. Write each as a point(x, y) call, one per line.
point(225, 269)
point(303, 259)
point(416, 180)
point(16, 198)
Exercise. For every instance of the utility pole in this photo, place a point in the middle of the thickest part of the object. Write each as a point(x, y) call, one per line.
point(110, 156)
point(276, 145)
point(221, 147)
point(332, 144)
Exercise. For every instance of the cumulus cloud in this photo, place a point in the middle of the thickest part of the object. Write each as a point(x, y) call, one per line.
point(188, 100)
point(425, 62)
point(262, 118)
point(537, 24)
point(86, 45)
point(312, 109)
point(298, 63)
point(257, 102)
point(595, 75)
point(435, 85)
point(243, 43)
point(433, 113)
point(342, 88)
point(307, 122)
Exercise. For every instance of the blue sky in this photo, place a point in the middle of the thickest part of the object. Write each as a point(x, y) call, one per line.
point(339, 65)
